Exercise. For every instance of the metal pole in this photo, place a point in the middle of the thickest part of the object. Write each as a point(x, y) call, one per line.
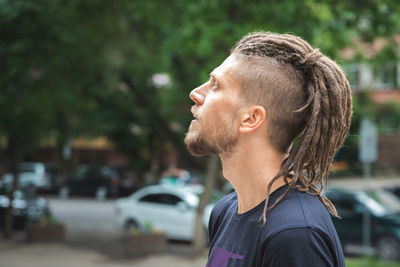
point(367, 214)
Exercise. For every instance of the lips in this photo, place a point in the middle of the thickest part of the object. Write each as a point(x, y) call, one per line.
point(195, 120)
point(194, 111)
point(196, 117)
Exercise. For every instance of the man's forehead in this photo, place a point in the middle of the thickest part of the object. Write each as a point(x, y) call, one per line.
point(226, 71)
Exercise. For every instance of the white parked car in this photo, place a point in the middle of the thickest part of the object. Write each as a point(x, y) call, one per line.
point(30, 174)
point(171, 209)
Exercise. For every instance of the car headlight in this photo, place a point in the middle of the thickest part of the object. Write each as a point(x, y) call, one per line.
point(4, 202)
point(34, 211)
point(19, 204)
point(42, 202)
point(18, 212)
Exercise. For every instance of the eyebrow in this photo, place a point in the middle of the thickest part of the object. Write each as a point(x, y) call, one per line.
point(212, 75)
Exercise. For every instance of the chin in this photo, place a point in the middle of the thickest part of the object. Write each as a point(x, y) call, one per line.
point(197, 146)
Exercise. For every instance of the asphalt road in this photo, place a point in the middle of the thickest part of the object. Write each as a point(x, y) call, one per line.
point(86, 218)
point(61, 255)
point(92, 240)
point(90, 224)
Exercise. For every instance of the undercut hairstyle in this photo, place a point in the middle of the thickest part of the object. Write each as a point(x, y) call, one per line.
point(308, 103)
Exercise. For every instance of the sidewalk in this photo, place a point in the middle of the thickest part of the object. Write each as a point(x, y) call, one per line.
point(17, 254)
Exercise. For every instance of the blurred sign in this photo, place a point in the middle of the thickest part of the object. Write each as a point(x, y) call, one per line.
point(368, 141)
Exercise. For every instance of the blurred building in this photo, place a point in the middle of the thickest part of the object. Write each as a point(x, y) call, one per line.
point(82, 151)
point(381, 78)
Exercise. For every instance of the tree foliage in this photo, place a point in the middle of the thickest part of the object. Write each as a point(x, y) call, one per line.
point(73, 67)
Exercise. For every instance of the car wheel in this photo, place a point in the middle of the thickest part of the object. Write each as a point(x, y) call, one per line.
point(388, 248)
point(131, 226)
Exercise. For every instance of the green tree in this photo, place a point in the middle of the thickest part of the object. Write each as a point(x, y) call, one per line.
point(53, 57)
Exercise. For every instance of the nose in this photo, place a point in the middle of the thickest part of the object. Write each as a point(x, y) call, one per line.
point(196, 96)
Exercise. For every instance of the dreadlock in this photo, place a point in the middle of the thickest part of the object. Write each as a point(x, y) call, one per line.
point(321, 119)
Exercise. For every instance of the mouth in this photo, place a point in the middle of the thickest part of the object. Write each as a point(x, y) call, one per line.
point(196, 119)
point(195, 115)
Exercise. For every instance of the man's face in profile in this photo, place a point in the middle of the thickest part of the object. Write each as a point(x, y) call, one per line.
point(215, 127)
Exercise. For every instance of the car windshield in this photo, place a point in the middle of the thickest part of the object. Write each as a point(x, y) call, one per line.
point(380, 202)
point(27, 168)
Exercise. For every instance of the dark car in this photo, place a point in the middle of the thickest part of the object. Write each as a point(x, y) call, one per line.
point(91, 180)
point(384, 208)
point(395, 189)
point(29, 174)
point(26, 207)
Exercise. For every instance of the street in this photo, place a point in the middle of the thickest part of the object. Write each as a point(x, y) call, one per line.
point(86, 218)
point(91, 224)
point(61, 255)
point(92, 239)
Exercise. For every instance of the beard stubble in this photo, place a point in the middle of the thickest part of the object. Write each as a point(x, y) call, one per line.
point(219, 139)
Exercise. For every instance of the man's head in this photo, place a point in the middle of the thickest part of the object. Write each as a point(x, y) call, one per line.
point(266, 70)
point(300, 93)
point(302, 90)
point(217, 104)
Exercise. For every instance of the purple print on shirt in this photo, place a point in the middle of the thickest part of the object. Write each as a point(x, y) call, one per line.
point(220, 257)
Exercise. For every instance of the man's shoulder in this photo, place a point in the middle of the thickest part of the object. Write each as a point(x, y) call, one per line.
point(298, 210)
point(300, 218)
point(302, 247)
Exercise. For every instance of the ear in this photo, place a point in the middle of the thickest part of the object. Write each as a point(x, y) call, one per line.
point(252, 119)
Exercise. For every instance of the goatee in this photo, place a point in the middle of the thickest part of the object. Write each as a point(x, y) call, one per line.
point(218, 141)
point(198, 145)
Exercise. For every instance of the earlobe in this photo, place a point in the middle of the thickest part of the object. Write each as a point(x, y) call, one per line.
point(252, 119)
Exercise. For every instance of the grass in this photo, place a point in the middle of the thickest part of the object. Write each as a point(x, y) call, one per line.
point(370, 262)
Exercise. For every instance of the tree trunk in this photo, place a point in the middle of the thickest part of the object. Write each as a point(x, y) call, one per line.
point(64, 147)
point(13, 152)
point(200, 236)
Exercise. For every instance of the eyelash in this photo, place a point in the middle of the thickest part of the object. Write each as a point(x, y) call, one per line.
point(214, 83)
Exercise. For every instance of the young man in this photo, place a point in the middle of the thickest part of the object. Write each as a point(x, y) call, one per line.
point(276, 111)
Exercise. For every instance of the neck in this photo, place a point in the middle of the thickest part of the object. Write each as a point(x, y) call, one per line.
point(249, 170)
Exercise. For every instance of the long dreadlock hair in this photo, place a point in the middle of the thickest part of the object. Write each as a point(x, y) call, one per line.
point(320, 122)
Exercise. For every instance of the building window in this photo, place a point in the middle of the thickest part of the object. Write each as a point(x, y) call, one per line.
point(353, 75)
point(385, 76)
point(388, 125)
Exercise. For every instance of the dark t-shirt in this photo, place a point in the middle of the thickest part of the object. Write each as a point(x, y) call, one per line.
point(299, 232)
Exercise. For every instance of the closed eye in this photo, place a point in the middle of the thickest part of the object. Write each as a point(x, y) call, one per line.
point(213, 82)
